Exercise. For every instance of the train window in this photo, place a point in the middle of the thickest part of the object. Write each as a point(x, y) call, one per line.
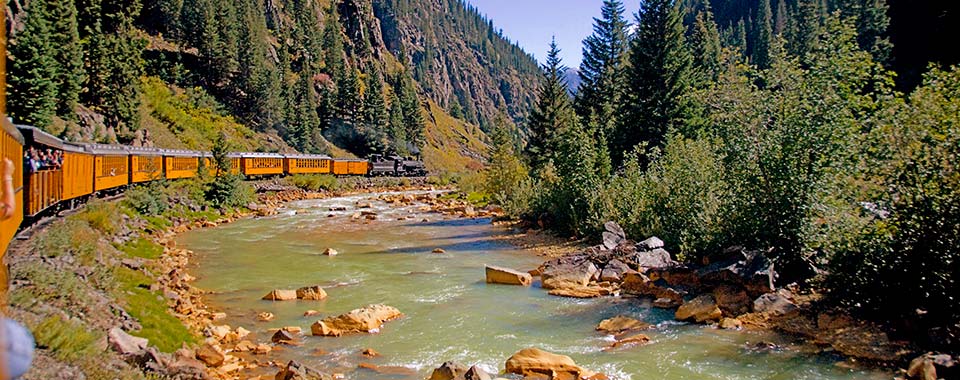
point(113, 166)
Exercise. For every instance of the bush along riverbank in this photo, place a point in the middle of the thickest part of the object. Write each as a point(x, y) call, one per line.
point(105, 291)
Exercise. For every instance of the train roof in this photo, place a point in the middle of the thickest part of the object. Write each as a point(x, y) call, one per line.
point(307, 156)
point(11, 130)
point(144, 151)
point(106, 149)
point(259, 155)
point(34, 135)
point(181, 153)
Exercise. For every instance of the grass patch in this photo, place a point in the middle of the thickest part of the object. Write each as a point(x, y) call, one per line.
point(101, 216)
point(142, 248)
point(162, 329)
point(68, 340)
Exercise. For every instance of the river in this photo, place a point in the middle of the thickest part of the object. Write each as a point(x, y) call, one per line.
point(450, 313)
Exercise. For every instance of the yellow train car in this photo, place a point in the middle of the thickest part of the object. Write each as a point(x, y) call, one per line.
point(350, 167)
point(255, 164)
point(110, 166)
point(181, 163)
point(11, 147)
point(77, 172)
point(146, 164)
point(307, 164)
point(43, 182)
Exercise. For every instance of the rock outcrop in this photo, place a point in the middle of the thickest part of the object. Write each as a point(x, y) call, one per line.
point(701, 309)
point(363, 320)
point(311, 293)
point(297, 371)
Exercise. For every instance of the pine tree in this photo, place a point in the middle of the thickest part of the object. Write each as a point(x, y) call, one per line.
point(257, 81)
point(705, 47)
point(412, 117)
point(396, 132)
point(659, 78)
point(349, 102)
point(32, 90)
point(872, 22)
point(114, 65)
point(375, 115)
point(304, 120)
point(763, 35)
point(505, 170)
point(68, 55)
point(804, 28)
point(780, 21)
point(552, 113)
point(333, 43)
point(602, 70)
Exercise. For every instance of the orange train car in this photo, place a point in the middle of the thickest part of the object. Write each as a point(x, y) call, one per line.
point(46, 187)
point(11, 147)
point(181, 163)
point(110, 166)
point(351, 167)
point(146, 164)
point(257, 164)
point(307, 164)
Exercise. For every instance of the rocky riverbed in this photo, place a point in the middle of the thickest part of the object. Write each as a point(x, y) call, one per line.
point(423, 257)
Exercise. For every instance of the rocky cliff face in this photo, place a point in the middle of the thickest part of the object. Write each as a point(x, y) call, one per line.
point(459, 59)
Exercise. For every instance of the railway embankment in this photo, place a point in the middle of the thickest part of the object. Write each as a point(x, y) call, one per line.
point(106, 292)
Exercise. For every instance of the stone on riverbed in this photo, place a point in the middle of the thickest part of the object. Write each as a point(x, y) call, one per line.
point(577, 291)
point(620, 324)
point(367, 319)
point(448, 371)
point(534, 361)
point(297, 371)
point(311, 293)
point(281, 295)
point(497, 275)
point(330, 252)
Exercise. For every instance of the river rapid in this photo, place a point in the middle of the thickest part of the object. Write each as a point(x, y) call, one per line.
point(449, 312)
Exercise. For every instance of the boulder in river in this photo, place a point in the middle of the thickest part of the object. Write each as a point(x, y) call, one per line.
point(567, 272)
point(498, 275)
point(534, 361)
point(265, 316)
point(732, 300)
point(297, 371)
point(620, 324)
point(701, 309)
point(932, 366)
point(578, 291)
point(311, 293)
point(281, 295)
point(628, 339)
point(656, 258)
point(367, 319)
point(330, 252)
point(448, 371)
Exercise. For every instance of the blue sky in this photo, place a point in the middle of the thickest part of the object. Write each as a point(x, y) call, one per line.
point(531, 23)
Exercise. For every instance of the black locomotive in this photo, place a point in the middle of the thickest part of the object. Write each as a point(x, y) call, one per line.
point(396, 166)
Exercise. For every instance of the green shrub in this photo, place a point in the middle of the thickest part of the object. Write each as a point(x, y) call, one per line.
point(679, 197)
point(908, 262)
point(149, 200)
point(316, 182)
point(102, 216)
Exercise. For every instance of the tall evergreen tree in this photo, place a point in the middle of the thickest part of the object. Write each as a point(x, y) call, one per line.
point(763, 35)
point(114, 64)
point(705, 47)
point(257, 81)
point(375, 115)
point(412, 117)
point(659, 78)
point(349, 102)
point(780, 19)
point(602, 79)
point(396, 131)
point(303, 121)
point(32, 96)
point(333, 43)
point(872, 22)
point(68, 55)
point(804, 28)
point(552, 113)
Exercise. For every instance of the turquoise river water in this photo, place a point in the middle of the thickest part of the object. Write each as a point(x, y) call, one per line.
point(450, 313)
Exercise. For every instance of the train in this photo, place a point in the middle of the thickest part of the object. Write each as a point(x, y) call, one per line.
point(79, 171)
